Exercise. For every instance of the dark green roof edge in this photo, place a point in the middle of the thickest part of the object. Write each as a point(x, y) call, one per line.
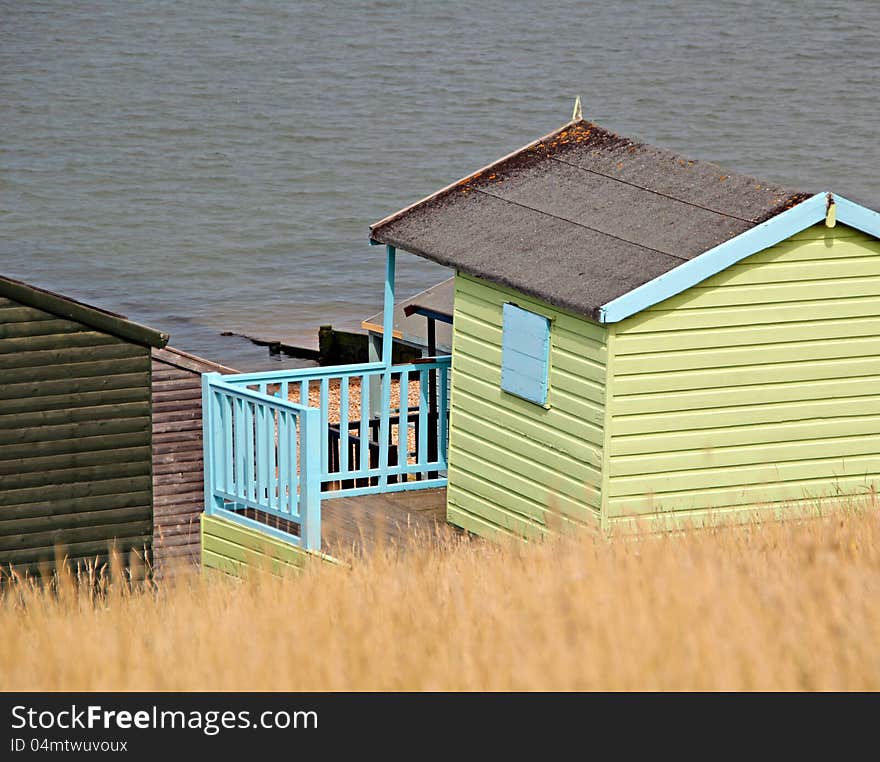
point(94, 317)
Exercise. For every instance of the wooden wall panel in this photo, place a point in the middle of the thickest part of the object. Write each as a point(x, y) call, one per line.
point(756, 388)
point(516, 466)
point(75, 455)
point(178, 474)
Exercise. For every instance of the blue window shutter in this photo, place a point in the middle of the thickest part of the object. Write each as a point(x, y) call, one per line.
point(525, 353)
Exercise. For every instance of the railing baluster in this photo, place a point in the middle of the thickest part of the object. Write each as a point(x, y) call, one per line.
point(384, 429)
point(343, 424)
point(422, 446)
point(365, 424)
point(261, 459)
point(250, 464)
point(325, 424)
point(271, 472)
point(442, 415)
point(403, 424)
point(240, 448)
point(217, 466)
point(293, 463)
point(283, 458)
point(226, 414)
point(304, 393)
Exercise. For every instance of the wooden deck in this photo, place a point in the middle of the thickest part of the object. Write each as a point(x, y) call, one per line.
point(363, 524)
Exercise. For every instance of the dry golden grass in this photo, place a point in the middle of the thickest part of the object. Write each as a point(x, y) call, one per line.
point(778, 606)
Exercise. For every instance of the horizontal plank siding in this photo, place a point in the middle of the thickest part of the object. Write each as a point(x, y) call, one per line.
point(759, 387)
point(516, 467)
point(237, 550)
point(11, 528)
point(76, 370)
point(72, 386)
point(178, 473)
point(75, 444)
point(116, 498)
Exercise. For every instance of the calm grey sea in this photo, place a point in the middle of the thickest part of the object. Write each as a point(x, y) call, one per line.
point(209, 166)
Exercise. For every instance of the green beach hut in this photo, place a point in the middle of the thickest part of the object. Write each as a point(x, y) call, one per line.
point(637, 334)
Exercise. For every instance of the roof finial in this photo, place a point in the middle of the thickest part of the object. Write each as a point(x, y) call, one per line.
point(830, 211)
point(577, 115)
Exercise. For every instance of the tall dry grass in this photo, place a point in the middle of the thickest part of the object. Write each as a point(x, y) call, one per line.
point(779, 606)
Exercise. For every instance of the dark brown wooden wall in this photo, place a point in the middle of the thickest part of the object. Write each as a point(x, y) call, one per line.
point(178, 475)
point(75, 456)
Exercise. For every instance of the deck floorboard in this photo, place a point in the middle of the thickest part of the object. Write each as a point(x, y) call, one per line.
point(367, 523)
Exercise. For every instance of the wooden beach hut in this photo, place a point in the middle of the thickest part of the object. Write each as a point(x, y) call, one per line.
point(100, 435)
point(75, 406)
point(635, 335)
point(638, 334)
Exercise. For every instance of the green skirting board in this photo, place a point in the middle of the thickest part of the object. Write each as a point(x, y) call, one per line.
point(235, 549)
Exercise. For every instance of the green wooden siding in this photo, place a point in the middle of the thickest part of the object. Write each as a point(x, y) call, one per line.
point(757, 387)
point(75, 457)
point(235, 549)
point(512, 463)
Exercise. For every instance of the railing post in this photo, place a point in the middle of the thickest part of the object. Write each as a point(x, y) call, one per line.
point(385, 429)
point(387, 352)
point(310, 479)
point(443, 416)
point(211, 432)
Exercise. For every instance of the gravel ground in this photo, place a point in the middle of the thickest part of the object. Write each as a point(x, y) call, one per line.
point(354, 402)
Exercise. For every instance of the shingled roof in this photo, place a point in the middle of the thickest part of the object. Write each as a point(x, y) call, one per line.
point(583, 216)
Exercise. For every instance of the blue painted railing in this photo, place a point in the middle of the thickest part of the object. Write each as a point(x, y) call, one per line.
point(261, 455)
point(276, 443)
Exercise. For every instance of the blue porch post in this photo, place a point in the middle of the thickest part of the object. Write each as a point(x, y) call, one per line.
point(387, 348)
point(388, 314)
point(212, 433)
point(310, 478)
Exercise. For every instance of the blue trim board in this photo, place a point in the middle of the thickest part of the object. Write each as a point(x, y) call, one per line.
point(857, 216)
point(300, 374)
point(396, 487)
point(756, 239)
point(388, 307)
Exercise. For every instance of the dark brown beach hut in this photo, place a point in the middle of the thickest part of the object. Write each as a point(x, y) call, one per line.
point(76, 473)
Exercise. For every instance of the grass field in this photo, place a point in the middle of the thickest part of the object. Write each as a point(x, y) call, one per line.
point(774, 606)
